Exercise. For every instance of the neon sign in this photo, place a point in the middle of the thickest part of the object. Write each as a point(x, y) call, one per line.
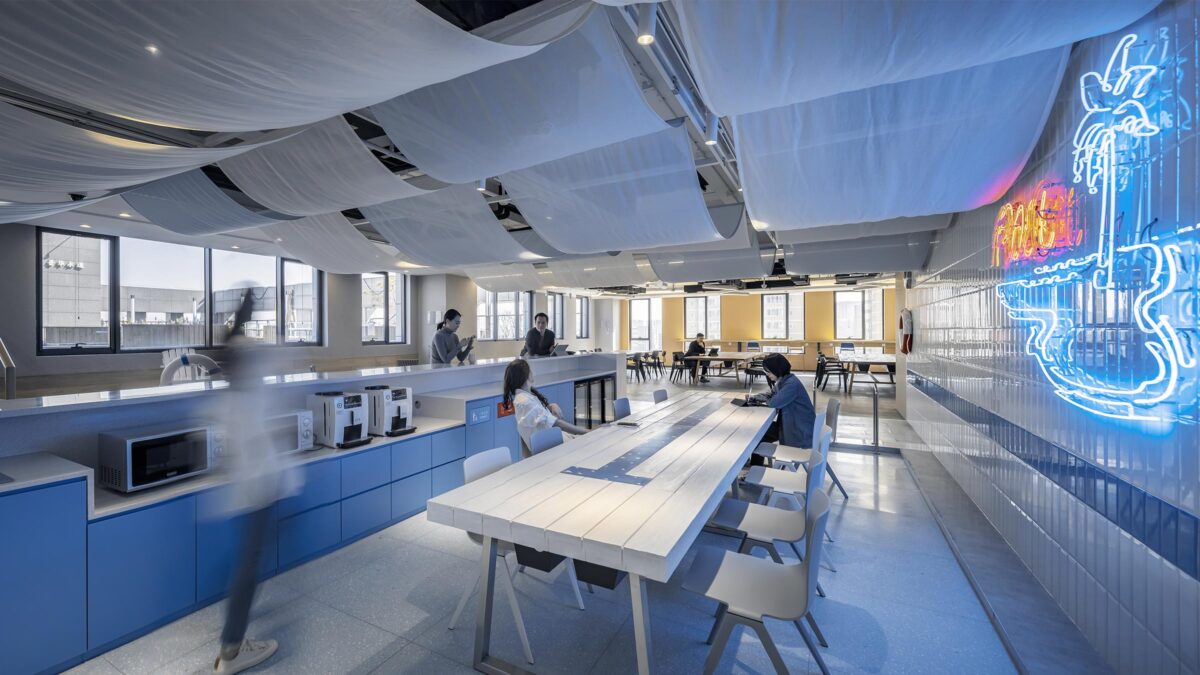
point(1130, 275)
point(1037, 228)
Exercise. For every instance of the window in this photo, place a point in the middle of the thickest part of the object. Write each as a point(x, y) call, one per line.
point(645, 324)
point(783, 316)
point(75, 288)
point(554, 308)
point(858, 315)
point(583, 317)
point(702, 315)
point(502, 316)
point(165, 295)
point(384, 318)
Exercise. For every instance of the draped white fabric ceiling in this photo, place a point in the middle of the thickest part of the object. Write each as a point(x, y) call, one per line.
point(712, 265)
point(634, 194)
point(575, 94)
point(189, 203)
point(15, 213)
point(447, 228)
point(597, 271)
point(43, 155)
point(235, 66)
point(750, 56)
point(939, 144)
point(507, 278)
point(331, 243)
point(322, 169)
point(859, 230)
point(893, 253)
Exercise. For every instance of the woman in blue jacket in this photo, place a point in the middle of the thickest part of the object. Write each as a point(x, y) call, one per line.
point(793, 424)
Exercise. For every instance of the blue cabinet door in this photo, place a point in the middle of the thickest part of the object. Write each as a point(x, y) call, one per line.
point(446, 477)
point(310, 533)
point(412, 457)
point(322, 485)
point(365, 512)
point(43, 566)
point(564, 395)
point(141, 569)
point(366, 470)
point(481, 424)
point(410, 494)
point(220, 539)
point(449, 445)
point(505, 435)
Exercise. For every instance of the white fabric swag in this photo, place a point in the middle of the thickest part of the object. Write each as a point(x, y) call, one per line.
point(573, 95)
point(507, 278)
point(725, 217)
point(16, 212)
point(331, 243)
point(323, 169)
point(235, 66)
point(190, 203)
point(42, 155)
point(940, 144)
point(678, 268)
point(860, 230)
point(893, 253)
point(599, 271)
point(751, 56)
point(451, 227)
point(634, 194)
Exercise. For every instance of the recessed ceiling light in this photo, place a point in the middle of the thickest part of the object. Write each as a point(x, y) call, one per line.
point(482, 187)
point(235, 246)
point(739, 189)
point(647, 23)
point(4, 203)
point(85, 226)
point(152, 48)
point(278, 238)
point(759, 225)
point(125, 214)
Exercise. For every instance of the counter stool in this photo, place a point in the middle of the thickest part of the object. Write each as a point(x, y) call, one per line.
point(749, 589)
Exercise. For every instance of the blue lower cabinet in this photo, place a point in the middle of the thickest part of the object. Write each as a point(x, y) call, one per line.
point(366, 470)
point(481, 425)
point(411, 457)
point(449, 445)
point(365, 512)
point(304, 535)
point(564, 395)
point(220, 540)
point(322, 485)
point(43, 565)
point(410, 494)
point(506, 436)
point(141, 569)
point(446, 477)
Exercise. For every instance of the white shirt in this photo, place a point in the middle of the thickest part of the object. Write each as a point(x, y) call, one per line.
point(531, 415)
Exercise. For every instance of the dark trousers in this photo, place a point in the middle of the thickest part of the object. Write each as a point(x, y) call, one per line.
point(703, 372)
point(245, 579)
point(771, 436)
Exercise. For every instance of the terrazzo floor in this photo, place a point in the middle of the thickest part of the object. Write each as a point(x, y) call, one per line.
point(898, 603)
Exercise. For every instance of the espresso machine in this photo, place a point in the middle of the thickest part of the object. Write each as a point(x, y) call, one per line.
point(390, 410)
point(339, 418)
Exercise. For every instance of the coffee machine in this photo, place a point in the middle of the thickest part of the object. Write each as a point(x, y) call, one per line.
point(339, 418)
point(390, 410)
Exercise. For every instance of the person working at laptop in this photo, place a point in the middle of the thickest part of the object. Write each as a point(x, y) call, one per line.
point(539, 341)
point(697, 348)
point(793, 424)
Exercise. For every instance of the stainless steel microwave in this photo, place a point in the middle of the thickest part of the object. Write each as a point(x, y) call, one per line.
point(136, 459)
point(287, 433)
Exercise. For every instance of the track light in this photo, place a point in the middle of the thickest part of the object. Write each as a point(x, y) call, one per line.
point(647, 23)
point(482, 187)
point(713, 129)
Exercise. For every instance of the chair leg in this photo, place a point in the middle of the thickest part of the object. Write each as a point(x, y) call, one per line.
point(516, 612)
point(768, 644)
point(574, 582)
point(774, 553)
point(720, 614)
point(820, 591)
point(462, 602)
point(812, 621)
point(836, 483)
point(812, 649)
point(724, 628)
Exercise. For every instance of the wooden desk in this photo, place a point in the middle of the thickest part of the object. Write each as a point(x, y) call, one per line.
point(736, 357)
point(869, 360)
point(629, 498)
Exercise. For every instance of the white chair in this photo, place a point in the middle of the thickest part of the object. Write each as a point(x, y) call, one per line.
point(620, 408)
point(660, 395)
point(476, 467)
point(779, 485)
point(773, 452)
point(749, 589)
point(544, 439)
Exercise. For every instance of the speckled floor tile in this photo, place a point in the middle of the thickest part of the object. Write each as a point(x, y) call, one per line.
point(315, 574)
point(418, 660)
point(96, 666)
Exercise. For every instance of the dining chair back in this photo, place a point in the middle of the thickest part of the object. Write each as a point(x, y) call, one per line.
point(620, 408)
point(544, 439)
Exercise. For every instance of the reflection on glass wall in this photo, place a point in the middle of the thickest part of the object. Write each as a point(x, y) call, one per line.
point(75, 291)
point(374, 307)
point(233, 275)
point(300, 288)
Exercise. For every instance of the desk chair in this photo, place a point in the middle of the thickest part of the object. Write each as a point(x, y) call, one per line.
point(620, 408)
point(660, 395)
point(749, 589)
point(678, 366)
point(544, 439)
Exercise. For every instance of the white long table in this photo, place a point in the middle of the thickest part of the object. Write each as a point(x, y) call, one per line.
point(629, 498)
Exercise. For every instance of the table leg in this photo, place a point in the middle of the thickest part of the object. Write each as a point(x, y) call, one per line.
point(484, 662)
point(641, 622)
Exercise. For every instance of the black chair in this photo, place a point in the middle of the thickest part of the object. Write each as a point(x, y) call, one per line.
point(656, 360)
point(753, 370)
point(827, 367)
point(679, 366)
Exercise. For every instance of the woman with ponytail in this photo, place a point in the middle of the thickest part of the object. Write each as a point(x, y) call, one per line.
point(446, 346)
point(534, 412)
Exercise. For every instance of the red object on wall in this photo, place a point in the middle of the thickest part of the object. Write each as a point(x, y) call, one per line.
point(503, 409)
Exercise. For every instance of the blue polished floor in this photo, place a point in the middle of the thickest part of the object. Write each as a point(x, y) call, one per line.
point(899, 603)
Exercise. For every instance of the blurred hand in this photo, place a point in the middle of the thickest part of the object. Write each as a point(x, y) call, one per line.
point(556, 410)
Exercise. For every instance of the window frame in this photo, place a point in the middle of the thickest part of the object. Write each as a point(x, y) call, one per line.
point(862, 314)
point(114, 299)
point(524, 302)
point(787, 317)
point(706, 330)
point(555, 306)
point(388, 307)
point(649, 314)
point(583, 317)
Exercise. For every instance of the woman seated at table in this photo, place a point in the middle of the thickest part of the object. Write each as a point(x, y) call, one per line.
point(533, 411)
point(793, 424)
point(697, 348)
point(539, 341)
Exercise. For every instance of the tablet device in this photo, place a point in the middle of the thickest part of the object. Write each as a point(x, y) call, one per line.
point(560, 350)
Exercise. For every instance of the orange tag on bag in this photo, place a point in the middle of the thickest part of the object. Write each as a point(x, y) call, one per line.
point(503, 409)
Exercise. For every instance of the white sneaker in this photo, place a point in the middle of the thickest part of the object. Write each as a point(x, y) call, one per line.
point(252, 653)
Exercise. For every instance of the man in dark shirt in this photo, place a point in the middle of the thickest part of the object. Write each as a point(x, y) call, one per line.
point(539, 341)
point(697, 348)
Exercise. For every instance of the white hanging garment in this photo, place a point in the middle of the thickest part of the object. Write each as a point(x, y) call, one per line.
point(634, 194)
point(751, 56)
point(235, 66)
point(189, 203)
point(940, 144)
point(623, 269)
point(678, 268)
point(507, 278)
point(331, 243)
point(322, 169)
point(451, 227)
point(575, 94)
point(892, 253)
point(40, 154)
point(860, 230)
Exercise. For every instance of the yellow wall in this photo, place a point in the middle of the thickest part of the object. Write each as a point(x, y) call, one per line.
point(672, 313)
point(623, 328)
point(818, 316)
point(741, 317)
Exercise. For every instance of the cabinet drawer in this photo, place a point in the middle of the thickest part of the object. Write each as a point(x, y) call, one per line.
point(366, 470)
point(409, 495)
point(309, 533)
point(322, 485)
point(412, 457)
point(219, 542)
point(448, 446)
point(447, 477)
point(365, 512)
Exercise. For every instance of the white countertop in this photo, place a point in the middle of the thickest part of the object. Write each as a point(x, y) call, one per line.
point(39, 468)
point(476, 392)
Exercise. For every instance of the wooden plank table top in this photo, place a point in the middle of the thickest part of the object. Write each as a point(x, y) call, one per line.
point(630, 498)
point(870, 359)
